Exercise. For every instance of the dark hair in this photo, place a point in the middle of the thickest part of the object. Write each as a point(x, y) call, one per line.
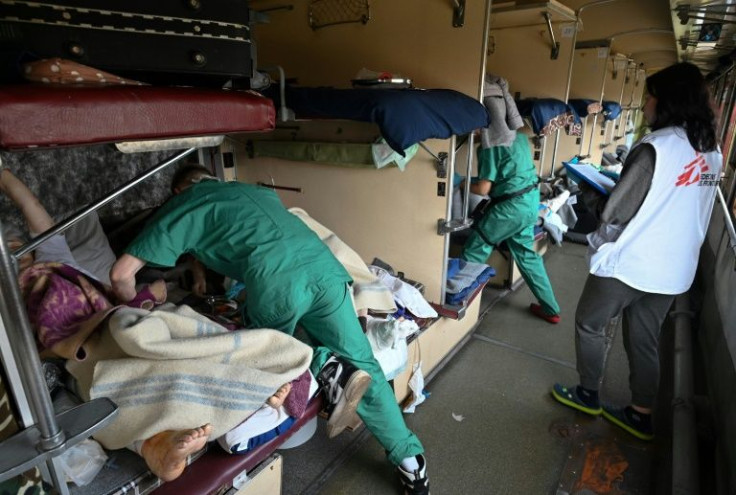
point(184, 175)
point(683, 100)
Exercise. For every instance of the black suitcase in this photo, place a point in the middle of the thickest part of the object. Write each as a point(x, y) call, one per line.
point(186, 42)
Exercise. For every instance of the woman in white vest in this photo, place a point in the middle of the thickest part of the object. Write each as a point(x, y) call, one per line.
point(646, 248)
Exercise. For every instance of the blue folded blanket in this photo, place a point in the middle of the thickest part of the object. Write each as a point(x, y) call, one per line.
point(405, 116)
point(611, 110)
point(541, 111)
point(580, 105)
point(463, 278)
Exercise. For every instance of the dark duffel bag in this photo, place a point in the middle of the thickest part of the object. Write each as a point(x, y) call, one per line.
point(192, 42)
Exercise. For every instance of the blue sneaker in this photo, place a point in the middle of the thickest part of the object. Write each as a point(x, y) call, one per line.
point(627, 418)
point(569, 396)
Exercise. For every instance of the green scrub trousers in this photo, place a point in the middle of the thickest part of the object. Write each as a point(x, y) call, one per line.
point(328, 317)
point(291, 278)
point(511, 169)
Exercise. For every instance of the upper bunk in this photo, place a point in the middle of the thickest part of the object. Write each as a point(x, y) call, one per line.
point(74, 116)
point(404, 116)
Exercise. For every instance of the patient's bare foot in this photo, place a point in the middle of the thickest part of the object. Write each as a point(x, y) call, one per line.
point(277, 399)
point(166, 453)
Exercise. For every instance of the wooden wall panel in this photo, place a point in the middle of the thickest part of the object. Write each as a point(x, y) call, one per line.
point(385, 213)
point(522, 56)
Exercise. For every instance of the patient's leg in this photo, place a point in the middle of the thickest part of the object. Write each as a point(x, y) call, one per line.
point(277, 399)
point(166, 453)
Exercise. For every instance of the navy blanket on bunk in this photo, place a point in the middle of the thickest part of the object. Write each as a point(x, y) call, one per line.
point(611, 110)
point(541, 112)
point(581, 105)
point(404, 116)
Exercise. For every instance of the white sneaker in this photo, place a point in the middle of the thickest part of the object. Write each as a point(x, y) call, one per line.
point(344, 386)
point(417, 481)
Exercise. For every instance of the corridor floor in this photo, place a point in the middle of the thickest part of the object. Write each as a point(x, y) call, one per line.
point(490, 425)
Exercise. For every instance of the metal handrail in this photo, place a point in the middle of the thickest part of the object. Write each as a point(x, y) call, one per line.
point(284, 111)
point(727, 220)
point(684, 436)
point(76, 217)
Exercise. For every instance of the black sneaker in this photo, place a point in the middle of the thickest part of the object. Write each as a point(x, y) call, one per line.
point(344, 386)
point(417, 482)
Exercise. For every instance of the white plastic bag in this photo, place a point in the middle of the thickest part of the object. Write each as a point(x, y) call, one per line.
point(82, 462)
point(416, 384)
point(388, 344)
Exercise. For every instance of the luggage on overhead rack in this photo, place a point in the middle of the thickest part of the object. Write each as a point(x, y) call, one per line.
point(192, 42)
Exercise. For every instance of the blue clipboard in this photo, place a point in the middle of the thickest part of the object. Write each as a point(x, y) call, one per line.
point(585, 172)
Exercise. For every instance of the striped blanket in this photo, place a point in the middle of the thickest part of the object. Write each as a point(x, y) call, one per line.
point(368, 291)
point(173, 369)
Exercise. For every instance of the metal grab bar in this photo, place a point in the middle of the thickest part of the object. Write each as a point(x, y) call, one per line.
point(62, 226)
point(555, 52)
point(285, 114)
point(468, 172)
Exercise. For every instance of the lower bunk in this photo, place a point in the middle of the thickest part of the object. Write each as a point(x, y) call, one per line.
point(210, 471)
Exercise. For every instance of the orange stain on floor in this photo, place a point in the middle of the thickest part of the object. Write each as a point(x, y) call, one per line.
point(603, 469)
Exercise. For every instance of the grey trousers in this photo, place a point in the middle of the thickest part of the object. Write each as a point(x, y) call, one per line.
point(643, 314)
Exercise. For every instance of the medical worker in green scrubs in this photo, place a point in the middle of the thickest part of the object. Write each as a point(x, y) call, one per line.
point(508, 175)
point(244, 232)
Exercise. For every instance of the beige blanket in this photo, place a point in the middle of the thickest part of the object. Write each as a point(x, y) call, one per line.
point(173, 369)
point(368, 291)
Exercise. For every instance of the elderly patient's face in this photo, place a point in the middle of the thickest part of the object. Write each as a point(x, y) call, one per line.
point(26, 260)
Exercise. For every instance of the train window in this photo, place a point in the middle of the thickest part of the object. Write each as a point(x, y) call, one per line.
point(724, 101)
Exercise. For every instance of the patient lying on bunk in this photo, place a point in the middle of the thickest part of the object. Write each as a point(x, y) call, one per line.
point(78, 281)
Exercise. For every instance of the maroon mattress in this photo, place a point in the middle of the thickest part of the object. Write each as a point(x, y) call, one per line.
point(215, 470)
point(38, 116)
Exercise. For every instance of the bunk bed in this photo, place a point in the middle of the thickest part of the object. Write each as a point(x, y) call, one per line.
point(176, 118)
point(75, 116)
point(404, 116)
point(585, 107)
point(611, 112)
point(545, 117)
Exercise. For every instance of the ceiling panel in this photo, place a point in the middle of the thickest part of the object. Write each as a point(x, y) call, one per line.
point(658, 33)
point(640, 29)
point(705, 31)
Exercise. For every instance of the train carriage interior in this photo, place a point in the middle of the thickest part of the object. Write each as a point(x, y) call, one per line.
point(371, 129)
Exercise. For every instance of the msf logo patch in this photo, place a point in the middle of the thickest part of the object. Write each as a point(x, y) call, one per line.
point(694, 172)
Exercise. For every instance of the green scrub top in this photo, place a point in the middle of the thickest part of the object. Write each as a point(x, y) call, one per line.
point(509, 168)
point(244, 232)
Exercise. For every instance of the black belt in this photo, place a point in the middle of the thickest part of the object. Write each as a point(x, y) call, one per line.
point(505, 197)
point(484, 207)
